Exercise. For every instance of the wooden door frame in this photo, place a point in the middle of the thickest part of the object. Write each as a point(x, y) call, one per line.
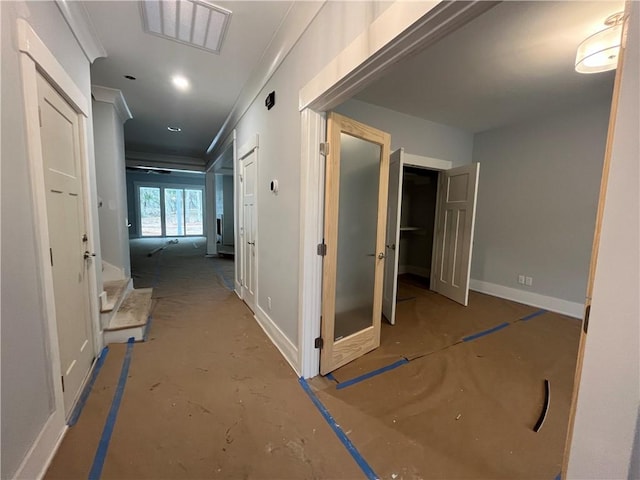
point(36, 58)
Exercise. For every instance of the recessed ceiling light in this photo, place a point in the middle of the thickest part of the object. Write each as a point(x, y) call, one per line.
point(197, 23)
point(180, 82)
point(174, 129)
point(129, 77)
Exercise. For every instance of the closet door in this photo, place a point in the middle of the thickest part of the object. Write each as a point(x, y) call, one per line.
point(457, 193)
point(393, 236)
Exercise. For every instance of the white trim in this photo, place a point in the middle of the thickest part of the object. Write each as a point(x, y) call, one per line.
point(80, 25)
point(39, 457)
point(249, 146)
point(394, 35)
point(411, 160)
point(288, 350)
point(565, 307)
point(311, 231)
point(115, 97)
point(297, 19)
point(161, 160)
point(30, 44)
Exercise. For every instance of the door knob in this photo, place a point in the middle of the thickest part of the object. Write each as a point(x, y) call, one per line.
point(87, 254)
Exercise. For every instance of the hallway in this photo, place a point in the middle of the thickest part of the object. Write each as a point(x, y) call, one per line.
point(206, 396)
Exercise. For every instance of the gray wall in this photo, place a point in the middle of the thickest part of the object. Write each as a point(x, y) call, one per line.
point(27, 392)
point(111, 186)
point(537, 198)
point(173, 178)
point(416, 135)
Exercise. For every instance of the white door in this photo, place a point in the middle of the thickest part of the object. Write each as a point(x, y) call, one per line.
point(249, 185)
point(394, 206)
point(456, 212)
point(61, 150)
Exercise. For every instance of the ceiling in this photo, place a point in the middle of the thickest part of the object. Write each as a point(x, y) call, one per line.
point(216, 79)
point(515, 61)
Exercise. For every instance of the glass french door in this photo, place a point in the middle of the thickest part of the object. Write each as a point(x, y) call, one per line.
point(357, 179)
point(170, 211)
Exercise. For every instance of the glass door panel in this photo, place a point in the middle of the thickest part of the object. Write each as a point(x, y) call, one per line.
point(357, 224)
point(174, 211)
point(193, 203)
point(150, 212)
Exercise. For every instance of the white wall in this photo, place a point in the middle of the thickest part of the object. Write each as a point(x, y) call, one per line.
point(416, 135)
point(27, 393)
point(537, 199)
point(609, 395)
point(111, 186)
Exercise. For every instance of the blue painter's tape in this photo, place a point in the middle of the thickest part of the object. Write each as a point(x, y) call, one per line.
point(77, 411)
point(365, 376)
point(533, 315)
point(107, 431)
point(485, 332)
point(331, 377)
point(362, 463)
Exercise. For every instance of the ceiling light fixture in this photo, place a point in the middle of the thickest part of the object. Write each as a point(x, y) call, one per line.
point(174, 129)
point(599, 52)
point(180, 82)
point(196, 23)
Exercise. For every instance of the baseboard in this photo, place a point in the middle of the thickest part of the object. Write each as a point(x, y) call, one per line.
point(287, 348)
point(44, 448)
point(565, 307)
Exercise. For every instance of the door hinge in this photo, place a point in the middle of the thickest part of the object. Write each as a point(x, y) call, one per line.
point(585, 323)
point(324, 148)
point(318, 343)
point(51, 256)
point(322, 249)
point(40, 116)
point(62, 380)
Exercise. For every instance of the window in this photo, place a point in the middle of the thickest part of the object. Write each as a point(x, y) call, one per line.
point(170, 211)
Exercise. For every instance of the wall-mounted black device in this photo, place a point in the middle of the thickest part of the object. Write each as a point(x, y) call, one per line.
point(271, 100)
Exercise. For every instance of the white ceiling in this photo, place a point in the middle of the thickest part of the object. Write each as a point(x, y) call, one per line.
point(516, 61)
point(216, 80)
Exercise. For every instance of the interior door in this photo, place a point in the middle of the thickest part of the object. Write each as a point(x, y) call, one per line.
point(456, 212)
point(249, 185)
point(356, 185)
point(394, 206)
point(61, 150)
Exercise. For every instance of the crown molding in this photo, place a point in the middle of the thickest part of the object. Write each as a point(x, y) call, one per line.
point(115, 97)
point(76, 16)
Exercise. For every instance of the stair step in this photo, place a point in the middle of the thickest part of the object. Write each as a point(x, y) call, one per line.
point(114, 289)
point(134, 311)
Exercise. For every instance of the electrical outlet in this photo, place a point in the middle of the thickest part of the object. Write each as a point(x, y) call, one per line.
point(521, 279)
point(269, 302)
point(528, 281)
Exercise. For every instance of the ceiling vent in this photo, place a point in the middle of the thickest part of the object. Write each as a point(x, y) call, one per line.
point(193, 22)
